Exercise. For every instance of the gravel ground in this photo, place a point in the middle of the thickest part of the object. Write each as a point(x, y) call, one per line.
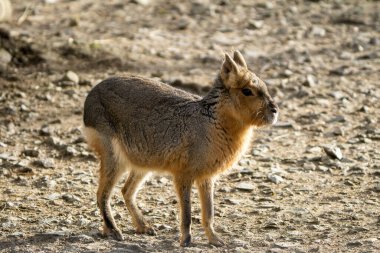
point(311, 183)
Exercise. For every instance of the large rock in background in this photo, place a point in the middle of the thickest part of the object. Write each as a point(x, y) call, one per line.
point(5, 10)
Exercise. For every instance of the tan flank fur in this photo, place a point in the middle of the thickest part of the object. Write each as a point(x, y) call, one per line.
point(141, 125)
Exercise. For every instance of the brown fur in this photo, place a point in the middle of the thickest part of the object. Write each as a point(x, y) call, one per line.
point(141, 125)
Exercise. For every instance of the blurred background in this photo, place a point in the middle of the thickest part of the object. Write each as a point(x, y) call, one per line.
point(310, 184)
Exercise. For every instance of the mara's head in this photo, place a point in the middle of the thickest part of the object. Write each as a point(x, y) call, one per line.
point(247, 95)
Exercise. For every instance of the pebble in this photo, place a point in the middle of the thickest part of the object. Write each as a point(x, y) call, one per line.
point(31, 152)
point(45, 181)
point(45, 131)
point(200, 7)
point(46, 163)
point(338, 118)
point(275, 178)
point(318, 31)
point(71, 76)
point(354, 244)
point(164, 227)
point(255, 24)
point(141, 2)
point(288, 73)
point(56, 142)
point(333, 152)
point(271, 225)
point(244, 186)
point(284, 245)
point(309, 166)
point(54, 196)
point(71, 151)
point(232, 201)
point(338, 131)
point(82, 238)
point(5, 57)
point(17, 234)
point(355, 170)
point(71, 198)
point(183, 23)
point(310, 81)
point(323, 168)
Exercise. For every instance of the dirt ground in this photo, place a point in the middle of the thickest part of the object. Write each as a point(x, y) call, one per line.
point(311, 183)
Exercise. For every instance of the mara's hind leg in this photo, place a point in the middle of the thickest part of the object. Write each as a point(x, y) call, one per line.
point(110, 172)
point(130, 190)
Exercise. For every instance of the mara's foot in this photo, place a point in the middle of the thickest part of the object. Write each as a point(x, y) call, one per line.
point(185, 241)
point(216, 241)
point(146, 230)
point(114, 233)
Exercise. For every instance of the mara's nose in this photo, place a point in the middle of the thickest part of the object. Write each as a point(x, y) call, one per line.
point(273, 107)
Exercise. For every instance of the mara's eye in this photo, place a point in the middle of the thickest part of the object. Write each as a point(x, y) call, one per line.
point(247, 92)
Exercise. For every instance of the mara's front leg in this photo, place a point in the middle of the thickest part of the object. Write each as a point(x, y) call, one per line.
point(183, 188)
point(206, 194)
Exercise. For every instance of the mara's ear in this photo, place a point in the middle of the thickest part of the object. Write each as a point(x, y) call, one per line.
point(230, 72)
point(239, 59)
point(229, 66)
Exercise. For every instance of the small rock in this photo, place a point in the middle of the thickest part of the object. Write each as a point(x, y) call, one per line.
point(343, 70)
point(24, 108)
point(355, 170)
point(183, 23)
point(232, 201)
point(354, 244)
point(71, 76)
point(45, 131)
point(288, 73)
point(31, 152)
point(53, 196)
point(164, 227)
point(200, 7)
point(266, 5)
point(374, 41)
point(45, 181)
point(141, 2)
point(364, 108)
point(309, 167)
point(5, 57)
point(82, 238)
point(339, 118)
point(310, 81)
point(318, 31)
point(346, 56)
point(70, 151)
point(338, 131)
point(255, 24)
point(323, 168)
point(333, 152)
point(244, 186)
point(271, 225)
point(275, 178)
point(71, 198)
point(17, 234)
point(47, 163)
point(225, 189)
point(284, 245)
point(56, 142)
